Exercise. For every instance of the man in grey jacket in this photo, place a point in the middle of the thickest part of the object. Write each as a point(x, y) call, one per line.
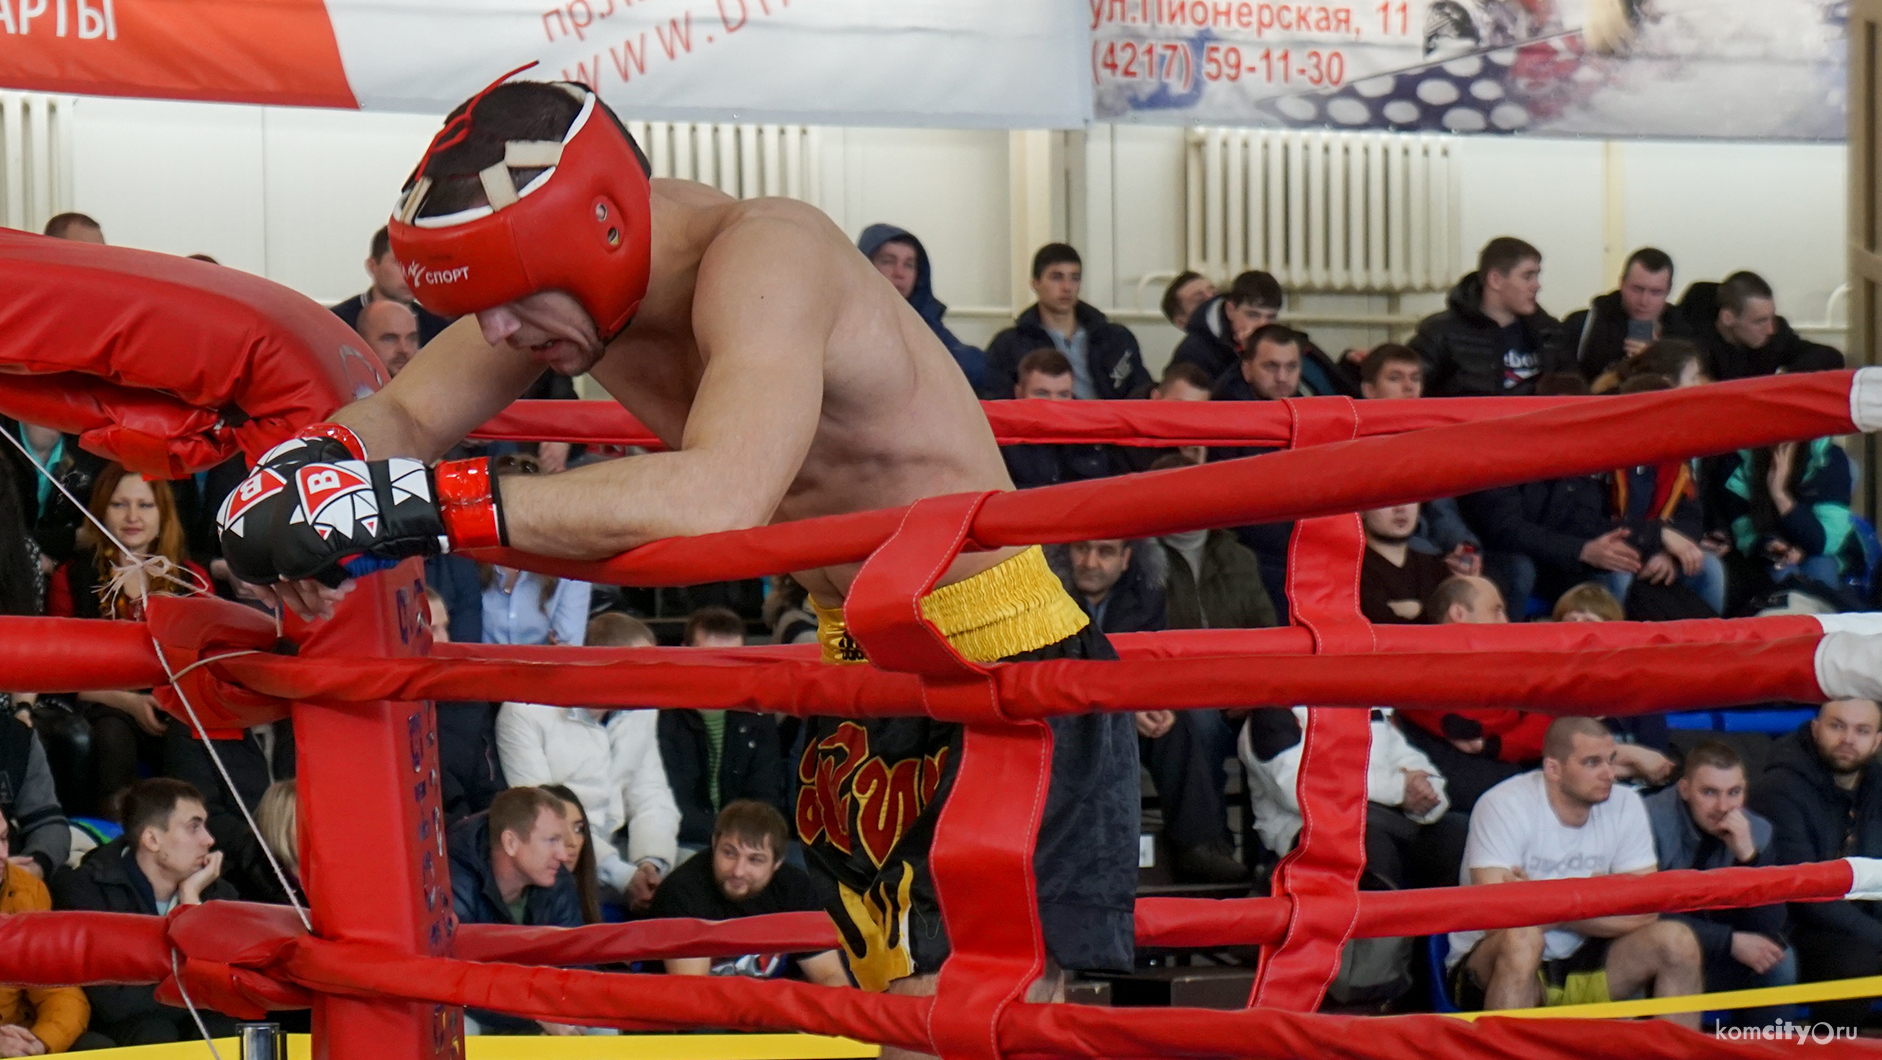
point(29, 800)
point(1702, 823)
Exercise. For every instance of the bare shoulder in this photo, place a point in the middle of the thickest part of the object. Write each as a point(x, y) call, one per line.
point(771, 233)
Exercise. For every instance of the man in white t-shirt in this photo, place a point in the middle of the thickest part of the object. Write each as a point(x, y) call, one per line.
point(1568, 820)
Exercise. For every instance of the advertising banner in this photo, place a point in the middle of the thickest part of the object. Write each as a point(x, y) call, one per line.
point(1751, 69)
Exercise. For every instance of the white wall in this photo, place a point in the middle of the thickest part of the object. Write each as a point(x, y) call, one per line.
point(295, 194)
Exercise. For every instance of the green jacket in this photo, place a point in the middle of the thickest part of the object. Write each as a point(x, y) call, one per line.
point(1230, 596)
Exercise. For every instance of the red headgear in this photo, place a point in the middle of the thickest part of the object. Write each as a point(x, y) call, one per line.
point(583, 225)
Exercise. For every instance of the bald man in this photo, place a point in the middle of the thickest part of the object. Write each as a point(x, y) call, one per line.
point(391, 329)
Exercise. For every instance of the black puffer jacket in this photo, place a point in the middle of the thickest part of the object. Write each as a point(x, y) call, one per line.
point(1464, 350)
point(1596, 337)
point(1117, 366)
point(1810, 818)
point(1209, 344)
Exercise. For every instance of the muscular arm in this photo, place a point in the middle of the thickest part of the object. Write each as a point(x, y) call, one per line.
point(762, 330)
point(455, 384)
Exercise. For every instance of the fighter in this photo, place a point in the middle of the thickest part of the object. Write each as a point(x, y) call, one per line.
point(789, 380)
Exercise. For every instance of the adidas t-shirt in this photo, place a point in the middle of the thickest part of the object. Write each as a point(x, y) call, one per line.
point(1514, 827)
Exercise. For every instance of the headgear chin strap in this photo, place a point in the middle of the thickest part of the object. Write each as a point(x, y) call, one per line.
point(584, 225)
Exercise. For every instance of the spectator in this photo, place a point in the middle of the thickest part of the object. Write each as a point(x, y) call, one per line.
point(1186, 294)
point(470, 770)
point(1270, 371)
point(1395, 580)
point(1104, 356)
point(99, 581)
point(52, 517)
point(787, 612)
point(1737, 325)
point(611, 760)
point(391, 329)
point(898, 255)
point(1702, 823)
point(277, 818)
point(38, 1020)
point(29, 798)
point(1392, 371)
point(1492, 338)
point(1046, 375)
point(745, 875)
point(581, 863)
point(509, 865)
point(1624, 322)
point(1822, 793)
point(1412, 838)
point(164, 859)
point(1658, 506)
point(76, 227)
point(1788, 507)
point(262, 755)
point(715, 757)
point(388, 285)
point(1542, 537)
point(1568, 820)
point(1475, 749)
point(1182, 381)
point(1120, 585)
point(1214, 580)
point(1587, 602)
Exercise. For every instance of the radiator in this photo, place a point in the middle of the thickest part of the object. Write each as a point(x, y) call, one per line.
point(744, 161)
point(35, 158)
point(1328, 211)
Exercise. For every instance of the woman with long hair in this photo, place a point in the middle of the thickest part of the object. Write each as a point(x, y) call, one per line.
point(582, 867)
point(112, 577)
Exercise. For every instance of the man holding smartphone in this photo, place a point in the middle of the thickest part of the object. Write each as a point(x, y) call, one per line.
point(1625, 321)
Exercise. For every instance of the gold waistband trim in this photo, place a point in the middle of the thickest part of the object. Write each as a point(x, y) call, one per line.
point(1018, 606)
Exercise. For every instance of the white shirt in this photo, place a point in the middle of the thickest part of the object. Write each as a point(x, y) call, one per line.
point(1514, 827)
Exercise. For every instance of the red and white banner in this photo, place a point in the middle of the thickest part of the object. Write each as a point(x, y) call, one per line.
point(950, 63)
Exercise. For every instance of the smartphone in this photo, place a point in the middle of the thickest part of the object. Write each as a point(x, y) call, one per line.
point(1640, 330)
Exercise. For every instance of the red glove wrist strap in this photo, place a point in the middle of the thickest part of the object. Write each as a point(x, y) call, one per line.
point(339, 434)
point(470, 504)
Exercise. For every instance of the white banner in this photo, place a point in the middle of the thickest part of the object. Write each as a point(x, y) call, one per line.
point(952, 63)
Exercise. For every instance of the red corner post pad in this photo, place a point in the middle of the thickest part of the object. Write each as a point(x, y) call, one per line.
point(190, 629)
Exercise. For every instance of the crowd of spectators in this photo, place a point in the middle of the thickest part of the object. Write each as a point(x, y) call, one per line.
point(563, 816)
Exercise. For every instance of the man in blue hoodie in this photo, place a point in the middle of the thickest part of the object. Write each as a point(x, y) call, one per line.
point(898, 255)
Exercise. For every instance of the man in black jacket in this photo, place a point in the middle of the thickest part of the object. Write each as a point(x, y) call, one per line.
point(1626, 320)
point(1120, 584)
point(1544, 537)
point(1737, 325)
point(263, 755)
point(1106, 362)
point(164, 859)
point(713, 757)
point(509, 865)
point(388, 284)
point(1823, 794)
point(1702, 823)
point(1492, 338)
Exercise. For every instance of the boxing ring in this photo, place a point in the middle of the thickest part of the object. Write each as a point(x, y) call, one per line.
point(173, 365)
